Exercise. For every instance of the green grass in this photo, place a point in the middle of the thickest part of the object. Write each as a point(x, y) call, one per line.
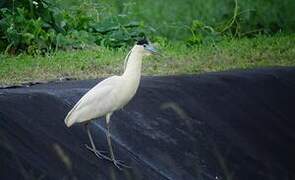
point(176, 59)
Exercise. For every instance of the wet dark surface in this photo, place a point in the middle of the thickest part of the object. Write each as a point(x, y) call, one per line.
point(230, 125)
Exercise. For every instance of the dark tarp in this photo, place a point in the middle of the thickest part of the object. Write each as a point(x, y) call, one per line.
point(229, 125)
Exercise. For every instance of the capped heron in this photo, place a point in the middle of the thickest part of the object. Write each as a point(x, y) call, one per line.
point(110, 95)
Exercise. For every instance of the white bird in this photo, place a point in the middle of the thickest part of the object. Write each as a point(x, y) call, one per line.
point(110, 95)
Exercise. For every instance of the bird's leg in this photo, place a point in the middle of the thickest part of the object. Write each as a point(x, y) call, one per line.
point(93, 148)
point(117, 163)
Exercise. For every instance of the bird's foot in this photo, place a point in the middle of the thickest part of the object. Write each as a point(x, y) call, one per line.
point(119, 164)
point(99, 154)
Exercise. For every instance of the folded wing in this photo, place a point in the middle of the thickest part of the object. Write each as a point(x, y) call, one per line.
point(97, 102)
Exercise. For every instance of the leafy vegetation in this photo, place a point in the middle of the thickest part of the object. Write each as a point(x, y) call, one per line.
point(177, 58)
point(49, 39)
point(174, 19)
point(44, 26)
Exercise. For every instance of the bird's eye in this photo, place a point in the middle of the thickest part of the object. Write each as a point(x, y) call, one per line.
point(144, 45)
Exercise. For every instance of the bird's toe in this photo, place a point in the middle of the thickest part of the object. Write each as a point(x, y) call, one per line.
point(99, 154)
point(119, 164)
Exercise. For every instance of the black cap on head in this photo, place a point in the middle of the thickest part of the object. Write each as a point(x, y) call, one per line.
point(142, 41)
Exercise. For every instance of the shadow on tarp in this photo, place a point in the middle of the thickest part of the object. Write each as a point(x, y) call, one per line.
point(229, 125)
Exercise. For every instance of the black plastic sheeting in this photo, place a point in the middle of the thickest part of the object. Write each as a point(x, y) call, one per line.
point(229, 125)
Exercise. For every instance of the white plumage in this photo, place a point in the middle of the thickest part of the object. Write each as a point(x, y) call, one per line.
point(110, 95)
point(94, 104)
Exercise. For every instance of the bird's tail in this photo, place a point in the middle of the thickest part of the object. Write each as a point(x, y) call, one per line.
point(69, 120)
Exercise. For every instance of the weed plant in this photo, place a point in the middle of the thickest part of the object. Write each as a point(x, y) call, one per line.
point(44, 26)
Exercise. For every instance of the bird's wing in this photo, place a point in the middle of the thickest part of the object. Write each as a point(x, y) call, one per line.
point(96, 102)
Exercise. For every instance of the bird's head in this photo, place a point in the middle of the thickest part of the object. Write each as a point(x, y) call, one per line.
point(146, 47)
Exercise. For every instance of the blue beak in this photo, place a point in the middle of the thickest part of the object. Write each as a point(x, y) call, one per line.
point(150, 48)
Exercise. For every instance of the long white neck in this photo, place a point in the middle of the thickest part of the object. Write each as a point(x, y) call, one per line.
point(133, 67)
